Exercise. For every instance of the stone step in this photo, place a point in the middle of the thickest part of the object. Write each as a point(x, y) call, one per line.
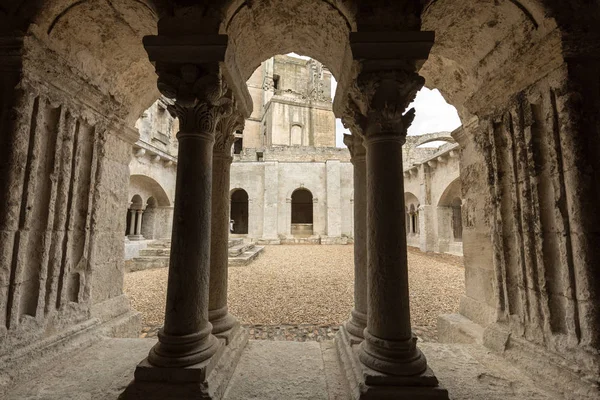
point(160, 244)
point(240, 248)
point(235, 242)
point(456, 328)
point(246, 257)
point(143, 263)
point(155, 252)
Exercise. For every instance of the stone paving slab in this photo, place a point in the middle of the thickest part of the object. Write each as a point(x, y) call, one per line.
point(279, 370)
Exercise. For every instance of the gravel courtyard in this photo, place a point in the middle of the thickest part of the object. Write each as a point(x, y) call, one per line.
point(308, 285)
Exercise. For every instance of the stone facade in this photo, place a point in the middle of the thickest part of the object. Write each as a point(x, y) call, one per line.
point(522, 74)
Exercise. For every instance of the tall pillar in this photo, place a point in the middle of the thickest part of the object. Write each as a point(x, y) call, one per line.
point(358, 319)
point(387, 363)
point(186, 338)
point(223, 322)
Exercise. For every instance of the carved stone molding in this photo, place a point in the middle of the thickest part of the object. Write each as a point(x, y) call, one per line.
point(355, 145)
point(199, 96)
point(226, 129)
point(378, 100)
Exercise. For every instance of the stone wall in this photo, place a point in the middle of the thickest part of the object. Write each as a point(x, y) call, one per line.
point(67, 177)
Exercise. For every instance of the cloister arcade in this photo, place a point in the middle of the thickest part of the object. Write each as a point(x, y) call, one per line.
point(522, 74)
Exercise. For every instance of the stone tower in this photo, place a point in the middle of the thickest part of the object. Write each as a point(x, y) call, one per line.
point(292, 104)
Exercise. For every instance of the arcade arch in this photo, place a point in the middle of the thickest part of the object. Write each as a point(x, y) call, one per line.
point(477, 62)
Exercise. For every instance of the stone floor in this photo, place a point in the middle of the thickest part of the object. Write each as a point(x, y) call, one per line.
point(275, 370)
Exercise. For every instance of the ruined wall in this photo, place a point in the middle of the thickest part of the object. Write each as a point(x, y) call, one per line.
point(296, 102)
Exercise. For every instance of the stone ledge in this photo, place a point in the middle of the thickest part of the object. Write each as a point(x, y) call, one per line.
point(455, 328)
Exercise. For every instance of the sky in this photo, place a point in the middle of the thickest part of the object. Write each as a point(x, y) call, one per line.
point(433, 114)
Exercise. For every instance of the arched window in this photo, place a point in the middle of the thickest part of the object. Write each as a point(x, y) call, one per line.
point(413, 219)
point(239, 212)
point(296, 135)
point(302, 213)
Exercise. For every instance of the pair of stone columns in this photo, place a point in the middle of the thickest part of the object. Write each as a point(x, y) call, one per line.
point(135, 224)
point(380, 320)
point(196, 311)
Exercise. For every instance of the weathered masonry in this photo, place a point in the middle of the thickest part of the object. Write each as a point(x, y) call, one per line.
point(522, 73)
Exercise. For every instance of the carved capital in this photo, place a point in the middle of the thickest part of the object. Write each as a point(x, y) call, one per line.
point(199, 96)
point(356, 147)
point(225, 135)
point(381, 99)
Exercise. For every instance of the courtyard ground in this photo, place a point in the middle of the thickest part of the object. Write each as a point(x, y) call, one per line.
point(305, 292)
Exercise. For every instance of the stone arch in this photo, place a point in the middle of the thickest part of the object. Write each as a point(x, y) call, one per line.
point(302, 212)
point(239, 211)
point(451, 192)
point(102, 42)
point(148, 187)
point(433, 137)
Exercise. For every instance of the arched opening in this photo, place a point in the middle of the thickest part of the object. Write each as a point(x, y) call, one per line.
point(449, 219)
point(134, 218)
point(302, 213)
point(412, 217)
point(238, 217)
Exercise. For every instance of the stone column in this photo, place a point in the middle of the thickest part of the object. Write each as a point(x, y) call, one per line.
point(131, 222)
point(138, 222)
point(222, 321)
point(186, 337)
point(358, 319)
point(389, 346)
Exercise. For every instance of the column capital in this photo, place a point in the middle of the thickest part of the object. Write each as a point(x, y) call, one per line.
point(225, 134)
point(354, 143)
point(378, 99)
point(199, 94)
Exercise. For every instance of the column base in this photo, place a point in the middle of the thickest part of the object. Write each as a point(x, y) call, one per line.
point(206, 380)
point(367, 384)
point(136, 237)
point(224, 324)
point(355, 326)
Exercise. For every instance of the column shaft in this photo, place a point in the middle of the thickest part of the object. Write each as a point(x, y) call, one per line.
point(131, 222)
point(138, 222)
point(358, 319)
point(389, 345)
point(219, 316)
point(186, 337)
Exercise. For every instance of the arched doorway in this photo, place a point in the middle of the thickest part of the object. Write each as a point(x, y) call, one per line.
point(302, 213)
point(239, 212)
